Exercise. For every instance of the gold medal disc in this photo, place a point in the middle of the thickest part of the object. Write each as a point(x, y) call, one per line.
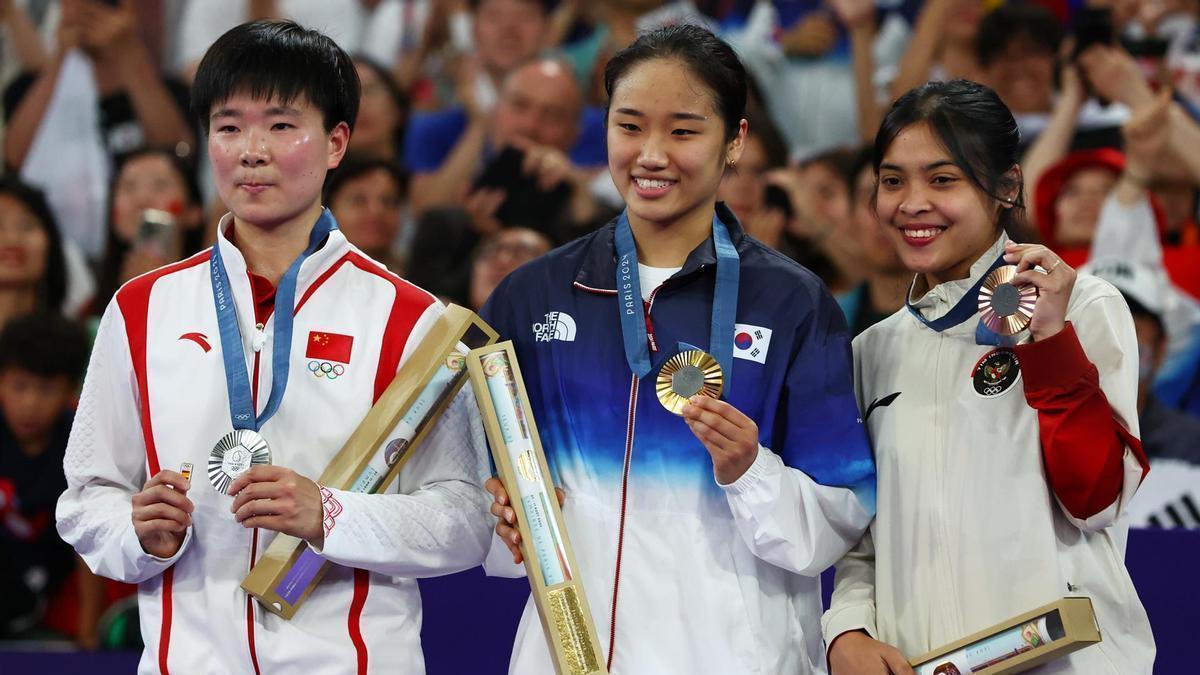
point(685, 375)
point(1005, 308)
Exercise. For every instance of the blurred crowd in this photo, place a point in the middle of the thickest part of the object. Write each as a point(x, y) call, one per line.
point(480, 145)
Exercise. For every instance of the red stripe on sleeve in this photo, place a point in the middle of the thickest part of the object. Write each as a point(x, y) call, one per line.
point(1083, 444)
point(134, 300)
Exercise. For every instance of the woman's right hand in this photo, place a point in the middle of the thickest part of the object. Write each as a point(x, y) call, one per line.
point(162, 513)
point(506, 517)
point(856, 653)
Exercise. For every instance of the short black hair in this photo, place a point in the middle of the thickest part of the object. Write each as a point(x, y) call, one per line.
point(975, 128)
point(1011, 22)
point(353, 166)
point(277, 60)
point(45, 343)
point(52, 288)
point(708, 57)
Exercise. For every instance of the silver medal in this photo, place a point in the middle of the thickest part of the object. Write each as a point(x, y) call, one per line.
point(233, 456)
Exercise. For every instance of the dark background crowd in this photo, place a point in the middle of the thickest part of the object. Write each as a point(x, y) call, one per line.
point(480, 145)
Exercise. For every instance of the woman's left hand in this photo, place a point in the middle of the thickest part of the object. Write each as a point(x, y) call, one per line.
point(1054, 285)
point(728, 435)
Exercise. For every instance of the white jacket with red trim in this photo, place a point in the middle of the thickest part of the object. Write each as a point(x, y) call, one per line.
point(968, 531)
point(155, 397)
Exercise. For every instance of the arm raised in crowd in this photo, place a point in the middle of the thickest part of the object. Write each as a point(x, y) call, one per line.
point(27, 115)
point(858, 17)
point(112, 34)
point(1053, 143)
point(122, 64)
point(23, 35)
point(923, 47)
point(447, 184)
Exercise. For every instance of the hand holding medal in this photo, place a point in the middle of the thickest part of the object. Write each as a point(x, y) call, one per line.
point(1053, 281)
point(729, 435)
point(279, 499)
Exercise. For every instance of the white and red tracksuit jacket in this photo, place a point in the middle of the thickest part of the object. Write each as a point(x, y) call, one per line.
point(155, 397)
point(1002, 479)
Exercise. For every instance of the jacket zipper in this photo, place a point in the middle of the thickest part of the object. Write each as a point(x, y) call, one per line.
point(630, 421)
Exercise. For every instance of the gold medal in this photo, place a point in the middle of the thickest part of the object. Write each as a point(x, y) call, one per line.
point(1006, 309)
point(685, 375)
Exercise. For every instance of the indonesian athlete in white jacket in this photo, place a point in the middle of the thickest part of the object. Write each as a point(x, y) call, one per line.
point(155, 397)
point(1003, 475)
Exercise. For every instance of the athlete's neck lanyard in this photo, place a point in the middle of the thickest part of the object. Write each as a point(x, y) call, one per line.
point(629, 295)
point(966, 308)
point(241, 402)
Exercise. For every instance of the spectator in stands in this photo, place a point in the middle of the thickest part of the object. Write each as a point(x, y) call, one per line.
point(886, 281)
point(816, 61)
point(382, 113)
point(375, 28)
point(366, 196)
point(942, 46)
point(42, 358)
point(500, 254)
point(744, 187)
point(819, 232)
point(137, 105)
point(1017, 47)
point(32, 269)
point(1167, 432)
point(21, 41)
point(614, 25)
point(1074, 194)
point(538, 114)
point(156, 217)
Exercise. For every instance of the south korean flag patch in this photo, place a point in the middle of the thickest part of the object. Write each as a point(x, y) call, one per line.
point(751, 342)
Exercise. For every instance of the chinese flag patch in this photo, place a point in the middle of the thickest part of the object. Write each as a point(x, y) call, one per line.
point(329, 346)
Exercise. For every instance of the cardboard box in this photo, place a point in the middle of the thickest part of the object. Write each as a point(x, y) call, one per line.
point(374, 454)
point(1018, 644)
point(549, 560)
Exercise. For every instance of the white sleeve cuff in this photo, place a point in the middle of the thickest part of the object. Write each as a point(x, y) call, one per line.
point(149, 565)
point(765, 464)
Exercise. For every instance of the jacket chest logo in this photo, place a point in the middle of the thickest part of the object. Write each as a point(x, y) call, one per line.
point(995, 373)
point(328, 354)
point(557, 326)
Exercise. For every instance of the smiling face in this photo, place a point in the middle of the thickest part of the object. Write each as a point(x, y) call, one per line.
point(667, 150)
point(270, 158)
point(939, 221)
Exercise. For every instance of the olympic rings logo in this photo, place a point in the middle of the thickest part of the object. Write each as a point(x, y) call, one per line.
point(326, 369)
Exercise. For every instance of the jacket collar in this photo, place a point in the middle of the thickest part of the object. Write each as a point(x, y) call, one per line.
point(939, 300)
point(335, 247)
point(597, 272)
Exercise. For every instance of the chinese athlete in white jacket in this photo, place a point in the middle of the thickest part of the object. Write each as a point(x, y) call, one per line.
point(155, 397)
point(968, 531)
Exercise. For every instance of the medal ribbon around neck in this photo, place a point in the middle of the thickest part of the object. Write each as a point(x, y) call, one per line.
point(237, 380)
point(966, 308)
point(629, 295)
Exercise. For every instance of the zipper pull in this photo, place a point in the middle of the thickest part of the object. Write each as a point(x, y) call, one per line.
point(259, 339)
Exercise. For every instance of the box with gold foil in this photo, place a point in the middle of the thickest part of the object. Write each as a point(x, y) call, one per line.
point(1018, 644)
point(549, 562)
point(374, 454)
